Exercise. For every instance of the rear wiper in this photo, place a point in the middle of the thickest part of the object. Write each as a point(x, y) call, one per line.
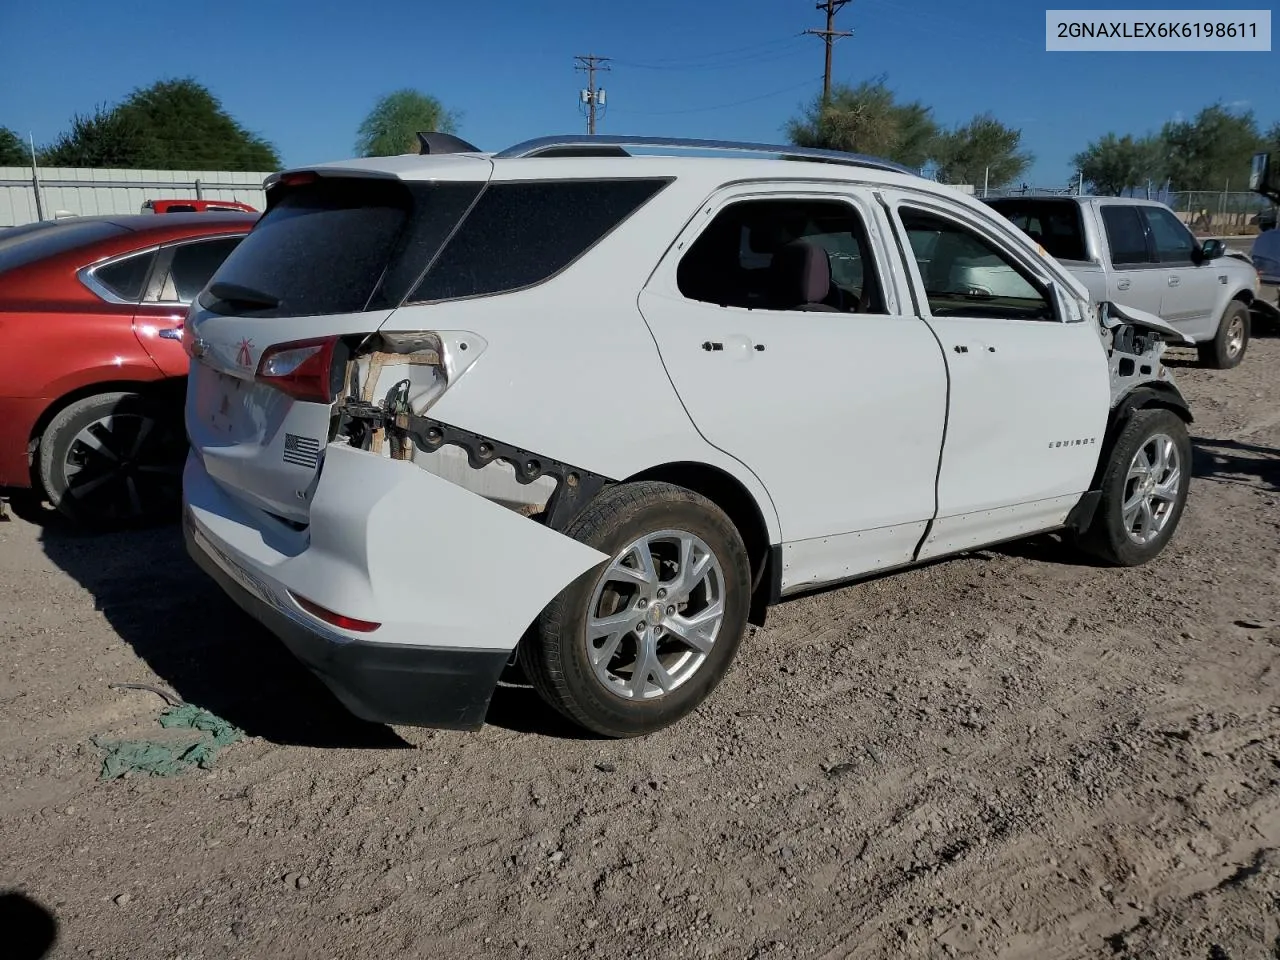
point(237, 295)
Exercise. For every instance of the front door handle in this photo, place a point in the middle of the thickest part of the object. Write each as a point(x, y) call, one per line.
point(1174, 281)
point(1122, 284)
point(170, 333)
point(712, 345)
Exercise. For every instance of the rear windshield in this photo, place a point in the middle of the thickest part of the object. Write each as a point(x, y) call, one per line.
point(35, 241)
point(323, 247)
point(1054, 224)
point(345, 245)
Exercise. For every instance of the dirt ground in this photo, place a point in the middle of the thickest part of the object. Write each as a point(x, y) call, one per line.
point(1010, 754)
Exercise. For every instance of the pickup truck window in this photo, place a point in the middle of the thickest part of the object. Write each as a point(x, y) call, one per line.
point(759, 254)
point(965, 275)
point(1054, 224)
point(1126, 235)
point(1174, 242)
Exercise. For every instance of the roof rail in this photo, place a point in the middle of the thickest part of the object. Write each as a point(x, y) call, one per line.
point(609, 145)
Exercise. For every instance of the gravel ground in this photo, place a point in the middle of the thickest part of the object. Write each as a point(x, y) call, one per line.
point(1008, 754)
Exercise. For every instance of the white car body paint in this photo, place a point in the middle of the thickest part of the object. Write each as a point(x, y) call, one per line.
point(377, 556)
point(866, 442)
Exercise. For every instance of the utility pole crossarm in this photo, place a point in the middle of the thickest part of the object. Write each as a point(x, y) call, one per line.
point(590, 64)
point(829, 37)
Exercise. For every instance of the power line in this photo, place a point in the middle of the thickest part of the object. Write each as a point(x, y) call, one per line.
point(591, 97)
point(829, 37)
point(720, 106)
point(781, 47)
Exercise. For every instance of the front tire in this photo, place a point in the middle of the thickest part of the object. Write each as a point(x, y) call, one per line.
point(634, 645)
point(1144, 490)
point(114, 459)
point(1228, 346)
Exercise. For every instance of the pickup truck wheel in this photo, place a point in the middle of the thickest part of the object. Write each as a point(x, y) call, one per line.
point(113, 459)
point(1144, 490)
point(634, 645)
point(1228, 347)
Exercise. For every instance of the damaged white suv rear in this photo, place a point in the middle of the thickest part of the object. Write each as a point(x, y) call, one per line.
point(594, 404)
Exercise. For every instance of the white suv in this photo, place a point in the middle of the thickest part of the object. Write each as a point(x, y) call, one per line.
point(596, 411)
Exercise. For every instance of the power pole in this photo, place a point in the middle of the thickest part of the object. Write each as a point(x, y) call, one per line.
point(829, 37)
point(591, 97)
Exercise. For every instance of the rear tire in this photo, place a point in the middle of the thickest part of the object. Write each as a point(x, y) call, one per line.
point(1144, 490)
point(114, 459)
point(1229, 345)
point(680, 618)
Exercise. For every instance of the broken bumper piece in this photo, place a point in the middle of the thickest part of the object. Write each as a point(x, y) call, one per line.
point(450, 580)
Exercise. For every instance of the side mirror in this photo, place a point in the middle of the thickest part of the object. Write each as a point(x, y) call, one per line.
point(1212, 249)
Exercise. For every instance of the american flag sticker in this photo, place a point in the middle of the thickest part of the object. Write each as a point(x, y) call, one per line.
point(302, 451)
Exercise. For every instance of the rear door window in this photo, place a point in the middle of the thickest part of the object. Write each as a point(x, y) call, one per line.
point(190, 266)
point(126, 278)
point(524, 232)
point(1126, 235)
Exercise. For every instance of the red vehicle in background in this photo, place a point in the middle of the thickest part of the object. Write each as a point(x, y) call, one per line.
point(196, 206)
point(92, 370)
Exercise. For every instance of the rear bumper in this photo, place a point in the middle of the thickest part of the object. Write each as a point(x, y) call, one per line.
point(452, 579)
point(384, 683)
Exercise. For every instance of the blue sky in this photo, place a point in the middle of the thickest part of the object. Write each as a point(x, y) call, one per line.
point(304, 74)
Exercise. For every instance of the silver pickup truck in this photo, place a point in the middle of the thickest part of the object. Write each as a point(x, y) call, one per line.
point(1138, 253)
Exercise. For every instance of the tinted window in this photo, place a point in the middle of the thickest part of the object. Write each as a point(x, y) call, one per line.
point(192, 266)
point(519, 234)
point(1054, 224)
point(1125, 234)
point(776, 255)
point(966, 275)
point(1174, 243)
point(23, 245)
point(125, 278)
point(323, 247)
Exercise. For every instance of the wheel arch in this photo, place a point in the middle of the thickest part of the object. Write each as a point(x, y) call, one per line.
point(732, 496)
point(172, 388)
point(1148, 396)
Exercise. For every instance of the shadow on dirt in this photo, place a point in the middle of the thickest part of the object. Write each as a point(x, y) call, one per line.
point(28, 929)
point(196, 640)
point(212, 654)
point(1230, 461)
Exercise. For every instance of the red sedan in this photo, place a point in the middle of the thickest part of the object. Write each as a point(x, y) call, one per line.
point(92, 370)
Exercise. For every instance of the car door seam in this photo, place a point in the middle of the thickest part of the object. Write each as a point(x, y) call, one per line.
point(946, 369)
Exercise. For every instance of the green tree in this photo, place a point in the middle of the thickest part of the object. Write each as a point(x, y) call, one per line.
point(867, 119)
point(185, 127)
point(13, 152)
point(983, 150)
point(1112, 164)
point(1214, 149)
point(392, 126)
point(101, 139)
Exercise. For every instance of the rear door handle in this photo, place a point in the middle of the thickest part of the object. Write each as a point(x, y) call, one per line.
point(1122, 284)
point(171, 333)
point(1174, 281)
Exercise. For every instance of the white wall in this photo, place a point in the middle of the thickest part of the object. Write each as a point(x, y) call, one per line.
point(85, 192)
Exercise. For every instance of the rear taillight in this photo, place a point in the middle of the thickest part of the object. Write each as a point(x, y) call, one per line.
point(337, 619)
point(304, 369)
